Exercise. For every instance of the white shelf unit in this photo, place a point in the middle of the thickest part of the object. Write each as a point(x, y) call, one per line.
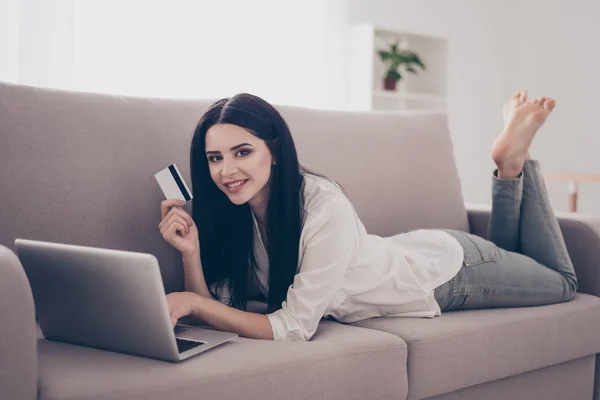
point(365, 71)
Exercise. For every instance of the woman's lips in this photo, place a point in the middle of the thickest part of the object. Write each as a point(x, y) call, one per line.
point(236, 188)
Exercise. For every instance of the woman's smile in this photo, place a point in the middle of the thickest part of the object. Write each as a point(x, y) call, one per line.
point(237, 186)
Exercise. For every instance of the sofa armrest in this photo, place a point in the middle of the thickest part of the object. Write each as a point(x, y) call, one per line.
point(582, 237)
point(18, 331)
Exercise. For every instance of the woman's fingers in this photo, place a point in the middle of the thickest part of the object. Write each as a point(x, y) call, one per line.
point(166, 205)
point(174, 317)
point(173, 312)
point(164, 225)
point(178, 211)
point(170, 232)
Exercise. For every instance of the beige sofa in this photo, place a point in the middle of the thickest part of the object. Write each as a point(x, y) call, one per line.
point(78, 168)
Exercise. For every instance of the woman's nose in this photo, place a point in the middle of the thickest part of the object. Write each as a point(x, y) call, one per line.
point(229, 167)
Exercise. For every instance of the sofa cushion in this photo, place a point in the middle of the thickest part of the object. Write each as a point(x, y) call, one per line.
point(341, 362)
point(464, 348)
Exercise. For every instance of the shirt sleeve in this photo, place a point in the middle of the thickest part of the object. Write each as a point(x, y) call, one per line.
point(331, 238)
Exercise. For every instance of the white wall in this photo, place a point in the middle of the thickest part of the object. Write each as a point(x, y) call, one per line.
point(556, 54)
point(9, 28)
point(284, 51)
point(275, 49)
point(45, 43)
point(480, 71)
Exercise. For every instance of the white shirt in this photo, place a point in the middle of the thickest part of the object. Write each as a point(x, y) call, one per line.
point(349, 275)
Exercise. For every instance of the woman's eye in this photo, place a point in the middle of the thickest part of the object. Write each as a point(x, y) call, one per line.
point(243, 152)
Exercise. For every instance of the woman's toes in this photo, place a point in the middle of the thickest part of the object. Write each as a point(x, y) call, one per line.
point(524, 96)
point(549, 104)
point(542, 101)
point(517, 100)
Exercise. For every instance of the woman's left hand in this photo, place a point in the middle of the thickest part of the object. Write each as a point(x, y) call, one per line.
point(180, 305)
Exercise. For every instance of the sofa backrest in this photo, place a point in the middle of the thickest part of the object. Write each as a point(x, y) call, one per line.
point(79, 168)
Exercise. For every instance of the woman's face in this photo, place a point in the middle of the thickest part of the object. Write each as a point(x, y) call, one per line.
point(235, 155)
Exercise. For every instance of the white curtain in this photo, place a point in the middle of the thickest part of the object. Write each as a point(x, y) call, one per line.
point(288, 52)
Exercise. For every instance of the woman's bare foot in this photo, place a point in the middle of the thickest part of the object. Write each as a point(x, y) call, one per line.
point(522, 120)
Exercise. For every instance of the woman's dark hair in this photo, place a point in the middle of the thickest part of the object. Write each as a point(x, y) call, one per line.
point(226, 230)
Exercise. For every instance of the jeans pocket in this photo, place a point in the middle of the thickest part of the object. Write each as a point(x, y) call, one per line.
point(477, 249)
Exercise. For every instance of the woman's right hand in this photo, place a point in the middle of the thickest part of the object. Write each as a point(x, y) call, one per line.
point(178, 228)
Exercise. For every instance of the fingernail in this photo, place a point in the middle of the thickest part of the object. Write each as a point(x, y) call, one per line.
point(181, 202)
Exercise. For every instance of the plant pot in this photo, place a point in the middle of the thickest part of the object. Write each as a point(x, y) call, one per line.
point(389, 84)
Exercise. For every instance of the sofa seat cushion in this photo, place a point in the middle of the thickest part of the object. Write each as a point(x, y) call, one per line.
point(340, 362)
point(464, 348)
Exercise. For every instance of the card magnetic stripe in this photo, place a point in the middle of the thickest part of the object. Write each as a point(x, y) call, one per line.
point(179, 182)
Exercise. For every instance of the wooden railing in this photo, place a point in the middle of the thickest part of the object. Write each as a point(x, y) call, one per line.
point(573, 180)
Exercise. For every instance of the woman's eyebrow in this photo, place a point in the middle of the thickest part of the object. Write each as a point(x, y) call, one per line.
point(233, 148)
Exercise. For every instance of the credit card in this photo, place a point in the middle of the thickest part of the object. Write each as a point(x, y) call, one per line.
point(172, 184)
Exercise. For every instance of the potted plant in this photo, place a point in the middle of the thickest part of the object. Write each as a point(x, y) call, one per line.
point(394, 58)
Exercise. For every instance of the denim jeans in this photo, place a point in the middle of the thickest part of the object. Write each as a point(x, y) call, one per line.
point(525, 261)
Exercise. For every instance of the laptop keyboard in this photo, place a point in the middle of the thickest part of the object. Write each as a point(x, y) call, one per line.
point(184, 345)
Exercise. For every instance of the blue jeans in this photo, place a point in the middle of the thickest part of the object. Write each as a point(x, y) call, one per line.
point(525, 261)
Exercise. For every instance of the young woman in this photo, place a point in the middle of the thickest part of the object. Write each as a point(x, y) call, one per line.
point(263, 227)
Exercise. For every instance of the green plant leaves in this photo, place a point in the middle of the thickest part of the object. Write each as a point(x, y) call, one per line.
point(385, 55)
point(393, 74)
point(395, 58)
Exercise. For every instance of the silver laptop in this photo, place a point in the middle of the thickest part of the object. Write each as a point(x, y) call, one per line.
point(108, 299)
